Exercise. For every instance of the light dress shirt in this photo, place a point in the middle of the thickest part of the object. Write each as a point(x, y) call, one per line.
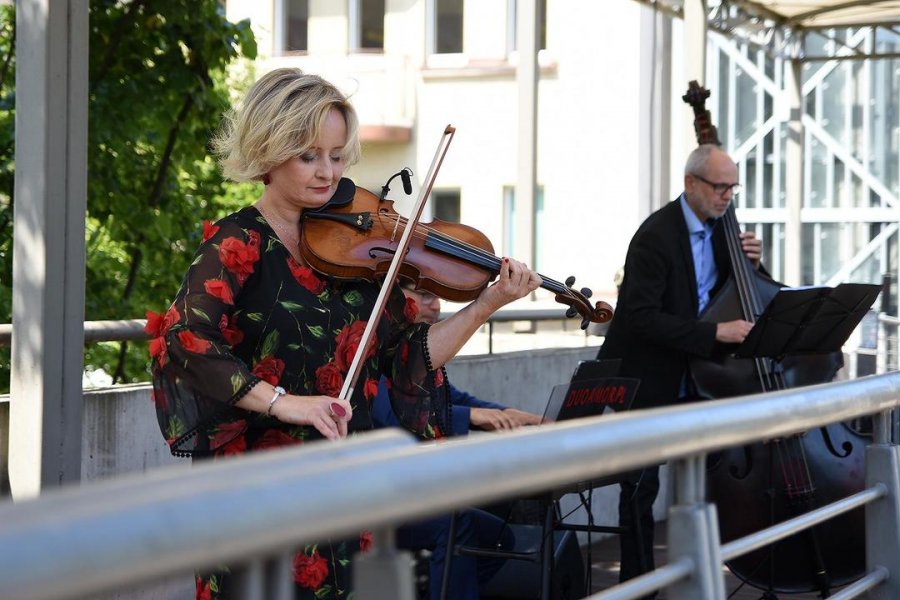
point(702, 251)
point(704, 266)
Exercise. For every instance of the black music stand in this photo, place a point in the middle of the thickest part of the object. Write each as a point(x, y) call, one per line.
point(808, 320)
point(593, 390)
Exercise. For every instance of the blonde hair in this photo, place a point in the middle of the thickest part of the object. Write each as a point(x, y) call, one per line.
point(281, 117)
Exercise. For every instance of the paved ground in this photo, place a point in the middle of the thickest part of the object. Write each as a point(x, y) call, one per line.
point(605, 570)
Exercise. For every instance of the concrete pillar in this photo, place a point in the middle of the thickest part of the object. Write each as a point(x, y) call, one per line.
point(656, 98)
point(793, 171)
point(694, 61)
point(526, 174)
point(48, 244)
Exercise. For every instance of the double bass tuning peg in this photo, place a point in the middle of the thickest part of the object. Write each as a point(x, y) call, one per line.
point(586, 292)
point(571, 312)
point(570, 281)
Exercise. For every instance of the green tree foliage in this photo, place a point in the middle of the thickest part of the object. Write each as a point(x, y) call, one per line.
point(158, 86)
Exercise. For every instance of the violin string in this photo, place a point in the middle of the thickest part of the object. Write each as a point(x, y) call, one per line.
point(476, 254)
point(464, 246)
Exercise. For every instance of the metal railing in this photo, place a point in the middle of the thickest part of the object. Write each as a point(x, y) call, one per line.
point(133, 329)
point(250, 512)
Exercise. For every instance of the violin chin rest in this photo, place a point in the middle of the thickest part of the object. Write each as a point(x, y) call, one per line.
point(343, 195)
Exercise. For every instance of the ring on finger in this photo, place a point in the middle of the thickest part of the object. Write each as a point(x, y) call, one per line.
point(337, 411)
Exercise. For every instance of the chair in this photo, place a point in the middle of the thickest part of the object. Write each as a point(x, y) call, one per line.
point(533, 572)
point(559, 574)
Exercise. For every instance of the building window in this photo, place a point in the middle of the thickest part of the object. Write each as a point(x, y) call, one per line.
point(445, 204)
point(513, 25)
point(509, 224)
point(295, 23)
point(367, 24)
point(448, 26)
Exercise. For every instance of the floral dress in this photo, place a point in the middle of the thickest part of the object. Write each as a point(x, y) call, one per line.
point(248, 312)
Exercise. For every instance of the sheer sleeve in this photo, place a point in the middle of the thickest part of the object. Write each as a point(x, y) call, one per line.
point(196, 377)
point(419, 394)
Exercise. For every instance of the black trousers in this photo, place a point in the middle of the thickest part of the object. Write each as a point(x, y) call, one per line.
point(638, 492)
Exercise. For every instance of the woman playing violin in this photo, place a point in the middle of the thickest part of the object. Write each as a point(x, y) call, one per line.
point(253, 351)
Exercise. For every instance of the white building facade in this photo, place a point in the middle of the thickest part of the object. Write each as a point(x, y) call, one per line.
point(455, 63)
point(609, 144)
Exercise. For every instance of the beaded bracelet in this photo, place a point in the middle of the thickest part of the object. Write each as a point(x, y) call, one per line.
point(279, 392)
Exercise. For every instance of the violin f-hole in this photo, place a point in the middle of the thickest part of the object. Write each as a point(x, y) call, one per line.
point(388, 252)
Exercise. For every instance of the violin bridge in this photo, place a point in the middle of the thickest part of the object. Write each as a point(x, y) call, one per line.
point(361, 220)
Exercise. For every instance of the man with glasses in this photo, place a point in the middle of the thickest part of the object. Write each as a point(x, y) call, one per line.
point(676, 262)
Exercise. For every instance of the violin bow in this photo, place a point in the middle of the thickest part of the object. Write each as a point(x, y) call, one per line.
point(391, 277)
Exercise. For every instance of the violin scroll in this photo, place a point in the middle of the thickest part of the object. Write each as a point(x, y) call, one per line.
point(578, 302)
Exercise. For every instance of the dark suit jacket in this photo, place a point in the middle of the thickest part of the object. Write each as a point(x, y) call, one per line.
point(655, 330)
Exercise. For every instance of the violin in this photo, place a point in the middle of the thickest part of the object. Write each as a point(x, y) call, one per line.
point(355, 235)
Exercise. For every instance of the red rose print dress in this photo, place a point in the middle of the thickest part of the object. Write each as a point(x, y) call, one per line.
point(247, 312)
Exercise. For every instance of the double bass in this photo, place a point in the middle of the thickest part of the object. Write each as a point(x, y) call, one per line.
point(763, 484)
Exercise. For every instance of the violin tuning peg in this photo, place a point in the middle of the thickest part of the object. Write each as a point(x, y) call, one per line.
point(584, 324)
point(586, 292)
point(570, 281)
point(571, 312)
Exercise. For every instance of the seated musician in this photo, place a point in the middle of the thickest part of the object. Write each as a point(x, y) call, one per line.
point(468, 411)
point(473, 527)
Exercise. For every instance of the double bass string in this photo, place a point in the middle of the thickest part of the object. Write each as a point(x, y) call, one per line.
point(750, 305)
point(791, 455)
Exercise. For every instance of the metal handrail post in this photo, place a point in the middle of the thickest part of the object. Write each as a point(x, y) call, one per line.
point(280, 577)
point(250, 579)
point(883, 515)
point(384, 572)
point(693, 528)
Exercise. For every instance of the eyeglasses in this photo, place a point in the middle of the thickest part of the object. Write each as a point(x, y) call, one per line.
point(720, 188)
point(425, 297)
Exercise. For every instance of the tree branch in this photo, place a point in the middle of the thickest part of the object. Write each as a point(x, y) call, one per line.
point(166, 160)
point(112, 50)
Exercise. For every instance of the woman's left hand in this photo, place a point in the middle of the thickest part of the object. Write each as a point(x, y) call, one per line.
point(446, 337)
point(515, 281)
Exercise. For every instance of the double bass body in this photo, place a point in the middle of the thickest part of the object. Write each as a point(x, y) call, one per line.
point(762, 484)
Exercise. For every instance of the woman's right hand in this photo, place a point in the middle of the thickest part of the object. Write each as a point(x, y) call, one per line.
point(315, 411)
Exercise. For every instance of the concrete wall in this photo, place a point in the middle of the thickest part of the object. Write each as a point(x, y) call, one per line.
point(519, 379)
point(120, 433)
